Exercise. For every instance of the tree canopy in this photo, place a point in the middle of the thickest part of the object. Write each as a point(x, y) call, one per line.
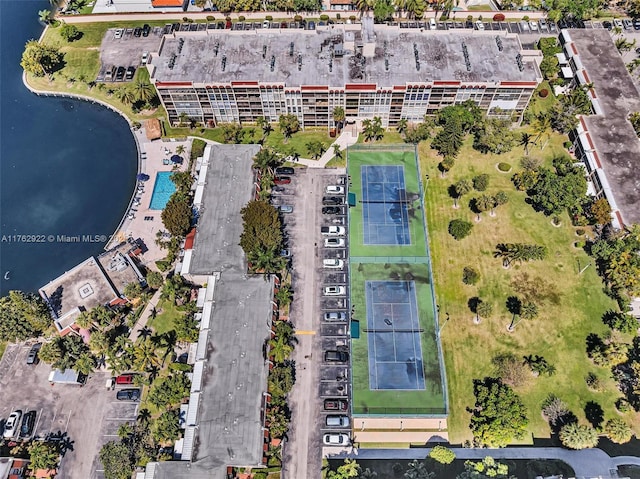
point(22, 316)
point(117, 460)
point(499, 416)
point(619, 263)
point(578, 436)
point(262, 228)
point(460, 229)
point(39, 59)
point(177, 215)
point(169, 390)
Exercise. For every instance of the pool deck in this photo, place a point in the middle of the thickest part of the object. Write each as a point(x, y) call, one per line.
point(151, 163)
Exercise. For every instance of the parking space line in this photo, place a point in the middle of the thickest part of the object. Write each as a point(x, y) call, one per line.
point(68, 419)
point(303, 332)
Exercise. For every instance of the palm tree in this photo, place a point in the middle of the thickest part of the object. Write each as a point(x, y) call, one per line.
point(417, 470)
point(525, 141)
point(180, 149)
point(44, 16)
point(461, 188)
point(265, 126)
point(400, 5)
point(85, 364)
point(267, 160)
point(284, 296)
point(577, 436)
point(145, 354)
point(339, 116)
point(142, 91)
point(365, 6)
point(280, 348)
point(541, 125)
point(484, 203)
point(483, 310)
point(144, 415)
point(125, 95)
point(265, 261)
point(337, 152)
point(527, 311)
point(402, 125)
point(415, 8)
point(367, 129)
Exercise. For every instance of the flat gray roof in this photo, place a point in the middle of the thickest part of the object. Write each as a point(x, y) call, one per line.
point(229, 187)
point(613, 136)
point(229, 430)
point(389, 56)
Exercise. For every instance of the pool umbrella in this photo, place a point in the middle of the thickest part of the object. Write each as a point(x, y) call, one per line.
point(142, 177)
point(176, 159)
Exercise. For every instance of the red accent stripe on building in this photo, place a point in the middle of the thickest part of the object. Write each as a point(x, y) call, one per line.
point(363, 86)
point(244, 83)
point(188, 241)
point(399, 88)
point(595, 155)
point(173, 83)
point(314, 87)
point(573, 47)
point(619, 216)
point(588, 136)
point(518, 83)
point(443, 83)
point(584, 125)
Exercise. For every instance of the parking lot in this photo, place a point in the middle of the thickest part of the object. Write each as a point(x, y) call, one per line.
point(316, 379)
point(82, 418)
point(126, 51)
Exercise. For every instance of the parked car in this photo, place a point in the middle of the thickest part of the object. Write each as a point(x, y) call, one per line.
point(607, 24)
point(146, 29)
point(285, 208)
point(137, 32)
point(108, 74)
point(636, 24)
point(118, 33)
point(125, 379)
point(479, 25)
point(336, 404)
point(332, 230)
point(332, 200)
point(28, 421)
point(32, 357)
point(145, 58)
point(334, 290)
point(12, 424)
point(533, 25)
point(336, 439)
point(128, 395)
point(332, 263)
point(543, 23)
point(628, 24)
point(130, 72)
point(618, 23)
point(120, 73)
point(285, 170)
point(334, 242)
point(334, 356)
point(337, 421)
point(335, 190)
point(335, 316)
point(282, 180)
point(432, 24)
point(330, 210)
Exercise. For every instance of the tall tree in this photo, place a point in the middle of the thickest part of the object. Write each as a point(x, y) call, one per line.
point(177, 215)
point(289, 124)
point(262, 228)
point(43, 455)
point(39, 59)
point(267, 160)
point(483, 203)
point(339, 116)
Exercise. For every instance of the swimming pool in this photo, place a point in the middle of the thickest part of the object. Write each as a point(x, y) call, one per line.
point(162, 190)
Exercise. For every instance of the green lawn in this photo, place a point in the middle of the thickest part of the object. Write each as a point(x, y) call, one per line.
point(298, 142)
point(538, 104)
point(558, 333)
point(166, 317)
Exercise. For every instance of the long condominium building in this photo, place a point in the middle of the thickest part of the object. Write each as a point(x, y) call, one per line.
point(213, 76)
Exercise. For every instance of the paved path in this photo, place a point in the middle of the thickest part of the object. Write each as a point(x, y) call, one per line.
point(144, 317)
point(585, 463)
point(345, 139)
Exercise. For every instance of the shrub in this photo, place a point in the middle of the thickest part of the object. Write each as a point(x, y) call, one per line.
point(352, 18)
point(442, 454)
point(338, 16)
point(460, 229)
point(577, 436)
point(163, 265)
point(324, 17)
point(593, 382)
point(544, 93)
point(268, 18)
point(470, 275)
point(618, 431)
point(241, 18)
point(510, 369)
point(555, 410)
point(297, 18)
point(620, 321)
point(498, 17)
point(580, 231)
point(623, 405)
point(567, 144)
point(526, 18)
point(504, 167)
point(481, 182)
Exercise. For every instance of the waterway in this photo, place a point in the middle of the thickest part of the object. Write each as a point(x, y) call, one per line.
point(67, 167)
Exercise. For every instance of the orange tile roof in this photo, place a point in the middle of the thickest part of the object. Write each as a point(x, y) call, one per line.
point(167, 3)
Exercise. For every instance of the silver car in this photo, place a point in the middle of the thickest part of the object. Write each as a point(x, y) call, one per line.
point(12, 424)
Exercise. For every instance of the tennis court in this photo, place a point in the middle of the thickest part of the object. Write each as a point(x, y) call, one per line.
point(384, 205)
point(393, 334)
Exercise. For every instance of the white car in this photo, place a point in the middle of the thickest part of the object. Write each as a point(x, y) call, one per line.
point(336, 439)
point(479, 25)
point(335, 189)
point(334, 243)
point(118, 33)
point(12, 424)
point(332, 230)
point(335, 316)
point(334, 290)
point(618, 23)
point(145, 58)
point(332, 263)
point(533, 25)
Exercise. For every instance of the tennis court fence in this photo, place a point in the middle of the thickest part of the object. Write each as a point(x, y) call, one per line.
point(389, 259)
point(400, 411)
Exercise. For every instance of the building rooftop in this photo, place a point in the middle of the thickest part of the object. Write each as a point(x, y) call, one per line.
point(613, 136)
point(119, 267)
point(85, 286)
point(335, 55)
point(229, 187)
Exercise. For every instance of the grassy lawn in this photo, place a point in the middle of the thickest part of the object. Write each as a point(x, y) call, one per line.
point(391, 137)
point(166, 317)
point(539, 104)
point(298, 141)
point(558, 333)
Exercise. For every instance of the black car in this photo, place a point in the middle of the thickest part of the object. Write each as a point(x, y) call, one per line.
point(128, 395)
point(137, 32)
point(120, 73)
point(607, 25)
point(32, 357)
point(331, 200)
point(285, 170)
point(28, 421)
point(145, 30)
point(330, 210)
point(336, 356)
point(130, 72)
point(636, 24)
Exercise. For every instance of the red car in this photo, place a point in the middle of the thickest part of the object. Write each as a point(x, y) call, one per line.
point(125, 379)
point(282, 180)
point(335, 404)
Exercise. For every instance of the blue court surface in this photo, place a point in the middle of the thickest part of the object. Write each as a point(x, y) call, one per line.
point(393, 335)
point(385, 217)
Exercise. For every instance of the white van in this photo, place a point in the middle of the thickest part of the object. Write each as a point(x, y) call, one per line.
point(432, 24)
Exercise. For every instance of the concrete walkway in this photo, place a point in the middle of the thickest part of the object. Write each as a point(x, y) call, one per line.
point(144, 317)
point(345, 139)
point(585, 463)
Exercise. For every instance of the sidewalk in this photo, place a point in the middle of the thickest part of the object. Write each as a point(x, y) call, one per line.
point(585, 463)
point(144, 317)
point(345, 139)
